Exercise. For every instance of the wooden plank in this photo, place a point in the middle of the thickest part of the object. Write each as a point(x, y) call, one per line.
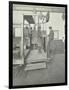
point(35, 66)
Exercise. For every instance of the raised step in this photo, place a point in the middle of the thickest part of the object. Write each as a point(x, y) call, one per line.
point(35, 66)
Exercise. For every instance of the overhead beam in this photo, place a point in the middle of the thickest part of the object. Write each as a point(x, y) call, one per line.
point(39, 9)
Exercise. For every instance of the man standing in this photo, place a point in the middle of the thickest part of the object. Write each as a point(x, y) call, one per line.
point(44, 36)
point(51, 38)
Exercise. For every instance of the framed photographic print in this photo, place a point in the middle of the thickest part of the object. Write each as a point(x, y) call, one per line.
point(37, 44)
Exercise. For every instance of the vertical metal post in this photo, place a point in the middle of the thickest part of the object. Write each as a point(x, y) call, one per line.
point(23, 39)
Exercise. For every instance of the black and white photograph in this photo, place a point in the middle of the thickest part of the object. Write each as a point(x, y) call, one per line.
point(38, 44)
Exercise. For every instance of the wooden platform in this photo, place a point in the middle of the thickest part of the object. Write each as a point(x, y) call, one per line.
point(34, 66)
